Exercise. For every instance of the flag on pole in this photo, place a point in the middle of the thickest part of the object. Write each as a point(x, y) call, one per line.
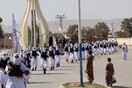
point(16, 36)
point(54, 42)
point(110, 27)
point(60, 29)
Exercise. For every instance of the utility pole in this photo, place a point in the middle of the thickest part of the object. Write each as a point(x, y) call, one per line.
point(61, 18)
point(80, 43)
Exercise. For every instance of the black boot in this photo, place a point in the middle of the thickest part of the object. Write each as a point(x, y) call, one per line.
point(51, 68)
point(2, 86)
point(72, 61)
point(32, 69)
point(35, 68)
point(44, 70)
point(58, 64)
point(66, 60)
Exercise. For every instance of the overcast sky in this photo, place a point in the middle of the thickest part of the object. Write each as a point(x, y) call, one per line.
point(91, 9)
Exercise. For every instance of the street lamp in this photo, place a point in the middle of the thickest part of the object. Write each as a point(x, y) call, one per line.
point(61, 17)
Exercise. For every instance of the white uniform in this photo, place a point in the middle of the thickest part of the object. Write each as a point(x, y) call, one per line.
point(76, 54)
point(44, 58)
point(34, 63)
point(57, 56)
point(14, 81)
point(72, 53)
point(125, 51)
point(51, 54)
point(66, 48)
point(86, 55)
point(3, 77)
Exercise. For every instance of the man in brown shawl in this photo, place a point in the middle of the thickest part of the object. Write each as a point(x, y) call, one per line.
point(89, 68)
point(109, 73)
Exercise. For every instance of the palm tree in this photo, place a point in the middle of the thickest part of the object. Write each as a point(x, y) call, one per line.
point(101, 30)
point(126, 26)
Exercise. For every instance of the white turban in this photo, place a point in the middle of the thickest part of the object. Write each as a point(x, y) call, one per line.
point(17, 60)
point(4, 55)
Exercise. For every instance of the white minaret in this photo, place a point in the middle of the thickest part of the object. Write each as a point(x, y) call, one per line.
point(33, 6)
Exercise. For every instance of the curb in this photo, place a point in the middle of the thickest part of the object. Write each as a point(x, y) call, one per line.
point(61, 86)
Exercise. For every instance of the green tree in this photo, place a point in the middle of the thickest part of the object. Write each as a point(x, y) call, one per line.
point(1, 30)
point(121, 34)
point(71, 32)
point(101, 30)
point(57, 36)
point(88, 33)
point(126, 26)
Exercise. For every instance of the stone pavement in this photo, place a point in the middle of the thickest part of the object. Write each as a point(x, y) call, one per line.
point(70, 72)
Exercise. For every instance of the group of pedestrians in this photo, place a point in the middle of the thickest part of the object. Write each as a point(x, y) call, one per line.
point(109, 70)
point(110, 79)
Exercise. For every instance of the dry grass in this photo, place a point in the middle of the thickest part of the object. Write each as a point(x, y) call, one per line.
point(86, 85)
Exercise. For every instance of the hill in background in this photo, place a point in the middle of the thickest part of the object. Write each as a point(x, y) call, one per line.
point(54, 27)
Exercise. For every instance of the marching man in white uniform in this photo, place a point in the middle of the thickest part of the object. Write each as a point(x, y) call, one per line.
point(76, 54)
point(72, 53)
point(51, 55)
point(17, 73)
point(66, 48)
point(44, 58)
point(34, 59)
point(57, 56)
point(3, 63)
point(86, 55)
point(125, 51)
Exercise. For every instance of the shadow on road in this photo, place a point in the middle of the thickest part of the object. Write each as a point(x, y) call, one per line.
point(39, 82)
point(49, 74)
point(120, 87)
point(55, 73)
point(61, 69)
point(67, 66)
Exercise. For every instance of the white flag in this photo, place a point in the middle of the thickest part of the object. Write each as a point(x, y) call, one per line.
point(110, 27)
point(16, 35)
point(54, 42)
point(60, 29)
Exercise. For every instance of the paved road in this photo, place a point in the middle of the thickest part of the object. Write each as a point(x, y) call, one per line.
point(70, 72)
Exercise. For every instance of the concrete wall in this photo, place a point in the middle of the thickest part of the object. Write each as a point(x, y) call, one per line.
point(8, 43)
point(120, 41)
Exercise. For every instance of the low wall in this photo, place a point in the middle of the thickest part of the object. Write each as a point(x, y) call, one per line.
point(120, 41)
point(5, 43)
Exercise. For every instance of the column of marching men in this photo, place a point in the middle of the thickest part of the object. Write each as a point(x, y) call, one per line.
point(98, 48)
point(15, 71)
